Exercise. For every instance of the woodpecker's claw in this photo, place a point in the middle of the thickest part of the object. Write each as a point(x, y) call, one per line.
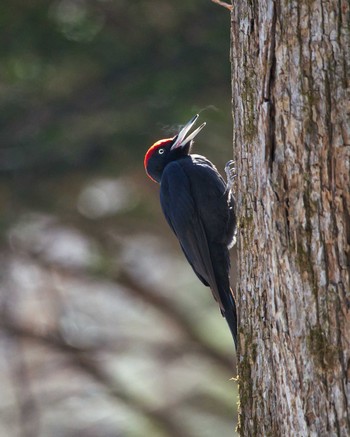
point(230, 174)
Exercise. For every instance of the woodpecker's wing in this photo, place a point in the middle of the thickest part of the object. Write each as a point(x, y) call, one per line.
point(181, 212)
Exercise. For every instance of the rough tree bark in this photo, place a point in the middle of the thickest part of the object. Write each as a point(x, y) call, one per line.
point(290, 82)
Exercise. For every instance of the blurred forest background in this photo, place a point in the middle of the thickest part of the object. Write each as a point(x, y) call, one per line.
point(104, 330)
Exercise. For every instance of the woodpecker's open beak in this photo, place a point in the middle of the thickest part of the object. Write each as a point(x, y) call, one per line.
point(180, 139)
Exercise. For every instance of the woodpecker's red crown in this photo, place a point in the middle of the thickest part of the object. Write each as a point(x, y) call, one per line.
point(169, 149)
point(154, 149)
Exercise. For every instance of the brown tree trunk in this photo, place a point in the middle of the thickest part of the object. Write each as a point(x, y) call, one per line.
point(290, 82)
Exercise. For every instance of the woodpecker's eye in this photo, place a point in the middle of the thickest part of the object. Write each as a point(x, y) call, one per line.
point(161, 151)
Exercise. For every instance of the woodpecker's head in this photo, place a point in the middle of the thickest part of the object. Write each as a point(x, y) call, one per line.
point(164, 151)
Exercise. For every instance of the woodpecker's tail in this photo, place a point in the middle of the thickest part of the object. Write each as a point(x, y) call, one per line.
point(230, 314)
point(221, 289)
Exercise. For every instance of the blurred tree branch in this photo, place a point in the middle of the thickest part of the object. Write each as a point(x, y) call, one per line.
point(225, 5)
point(155, 300)
point(84, 360)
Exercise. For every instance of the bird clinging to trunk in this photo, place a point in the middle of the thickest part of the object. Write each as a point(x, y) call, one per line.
point(200, 209)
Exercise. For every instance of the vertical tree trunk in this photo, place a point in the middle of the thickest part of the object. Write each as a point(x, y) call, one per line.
point(290, 82)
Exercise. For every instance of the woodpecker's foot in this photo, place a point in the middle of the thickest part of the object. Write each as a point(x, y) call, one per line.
point(230, 174)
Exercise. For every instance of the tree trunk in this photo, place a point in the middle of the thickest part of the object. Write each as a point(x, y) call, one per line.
point(290, 82)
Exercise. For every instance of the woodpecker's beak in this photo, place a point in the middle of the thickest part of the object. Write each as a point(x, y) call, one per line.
point(181, 140)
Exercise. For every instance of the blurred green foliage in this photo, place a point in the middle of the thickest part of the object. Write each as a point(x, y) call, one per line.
point(89, 84)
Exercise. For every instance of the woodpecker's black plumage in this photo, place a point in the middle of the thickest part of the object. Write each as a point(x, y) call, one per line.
point(199, 207)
